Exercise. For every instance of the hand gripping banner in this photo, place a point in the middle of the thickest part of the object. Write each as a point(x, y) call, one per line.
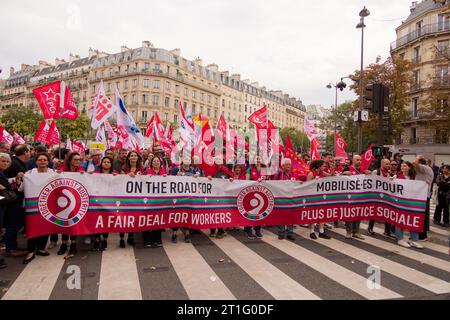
point(77, 204)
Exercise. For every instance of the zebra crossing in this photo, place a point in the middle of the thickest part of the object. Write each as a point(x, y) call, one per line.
point(236, 268)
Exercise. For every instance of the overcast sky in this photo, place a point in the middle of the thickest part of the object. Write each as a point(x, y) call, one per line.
point(297, 46)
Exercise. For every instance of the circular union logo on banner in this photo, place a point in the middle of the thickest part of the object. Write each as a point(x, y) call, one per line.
point(255, 202)
point(63, 202)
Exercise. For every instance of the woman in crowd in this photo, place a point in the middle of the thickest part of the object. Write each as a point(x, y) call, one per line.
point(407, 172)
point(152, 238)
point(317, 168)
point(36, 246)
point(72, 164)
point(101, 240)
point(186, 169)
point(132, 167)
point(5, 163)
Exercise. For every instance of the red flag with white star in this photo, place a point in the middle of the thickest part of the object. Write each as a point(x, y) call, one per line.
point(49, 98)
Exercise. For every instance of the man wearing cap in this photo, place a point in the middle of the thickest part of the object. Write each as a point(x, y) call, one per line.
point(93, 164)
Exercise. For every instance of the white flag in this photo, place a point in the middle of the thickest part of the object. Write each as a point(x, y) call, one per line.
point(103, 108)
point(101, 136)
point(125, 119)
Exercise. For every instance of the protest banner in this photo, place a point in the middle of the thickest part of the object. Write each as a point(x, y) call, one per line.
point(77, 204)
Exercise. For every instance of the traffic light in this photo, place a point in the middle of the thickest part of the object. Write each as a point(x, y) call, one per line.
point(377, 151)
point(378, 95)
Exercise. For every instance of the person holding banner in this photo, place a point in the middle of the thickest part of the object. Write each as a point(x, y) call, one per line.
point(220, 172)
point(105, 168)
point(72, 164)
point(132, 167)
point(119, 163)
point(185, 170)
point(94, 163)
point(286, 174)
point(408, 172)
point(5, 186)
point(36, 246)
point(385, 171)
point(318, 170)
point(424, 173)
point(153, 238)
point(256, 173)
point(353, 227)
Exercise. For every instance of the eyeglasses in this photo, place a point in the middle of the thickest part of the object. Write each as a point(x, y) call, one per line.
point(77, 159)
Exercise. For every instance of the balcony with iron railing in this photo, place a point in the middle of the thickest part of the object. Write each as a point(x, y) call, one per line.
point(416, 59)
point(441, 82)
point(415, 87)
point(426, 30)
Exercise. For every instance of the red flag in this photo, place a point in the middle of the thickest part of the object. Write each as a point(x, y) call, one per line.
point(49, 97)
point(42, 132)
point(259, 118)
point(150, 127)
point(340, 146)
point(77, 146)
point(18, 138)
point(299, 167)
point(367, 158)
point(222, 127)
point(6, 136)
point(53, 135)
point(315, 145)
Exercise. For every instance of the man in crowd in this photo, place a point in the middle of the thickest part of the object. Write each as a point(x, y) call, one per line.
point(120, 161)
point(424, 173)
point(94, 163)
point(15, 213)
point(353, 227)
point(31, 164)
point(385, 171)
point(286, 174)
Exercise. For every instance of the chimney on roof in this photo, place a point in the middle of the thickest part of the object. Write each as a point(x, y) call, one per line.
point(176, 51)
point(225, 73)
point(73, 57)
point(59, 61)
point(124, 48)
point(24, 66)
point(198, 61)
point(236, 76)
point(11, 71)
point(213, 67)
point(92, 53)
point(413, 6)
point(147, 44)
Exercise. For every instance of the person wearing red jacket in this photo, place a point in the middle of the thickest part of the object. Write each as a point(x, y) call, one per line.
point(317, 168)
point(72, 164)
point(286, 174)
point(152, 238)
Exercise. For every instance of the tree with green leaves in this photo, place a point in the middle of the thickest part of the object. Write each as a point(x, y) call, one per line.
point(22, 119)
point(397, 75)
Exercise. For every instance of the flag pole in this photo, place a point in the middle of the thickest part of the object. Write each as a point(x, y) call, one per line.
point(61, 106)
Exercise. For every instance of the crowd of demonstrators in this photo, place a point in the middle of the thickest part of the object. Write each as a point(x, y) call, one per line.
point(23, 160)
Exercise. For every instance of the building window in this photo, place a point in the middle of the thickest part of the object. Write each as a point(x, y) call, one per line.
point(146, 66)
point(208, 112)
point(134, 83)
point(175, 118)
point(185, 105)
point(156, 84)
point(416, 55)
point(157, 67)
point(144, 99)
point(155, 100)
point(202, 96)
point(443, 22)
point(193, 94)
point(186, 92)
point(168, 85)
point(193, 108)
point(415, 107)
point(175, 104)
point(133, 99)
point(177, 88)
point(166, 102)
point(144, 115)
point(125, 99)
point(223, 103)
point(126, 84)
point(145, 83)
point(166, 116)
point(413, 136)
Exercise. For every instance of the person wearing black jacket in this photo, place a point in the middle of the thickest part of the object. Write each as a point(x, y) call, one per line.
point(5, 162)
point(443, 182)
point(15, 214)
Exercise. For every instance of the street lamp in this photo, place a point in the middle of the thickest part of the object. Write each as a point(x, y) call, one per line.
point(363, 13)
point(341, 86)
